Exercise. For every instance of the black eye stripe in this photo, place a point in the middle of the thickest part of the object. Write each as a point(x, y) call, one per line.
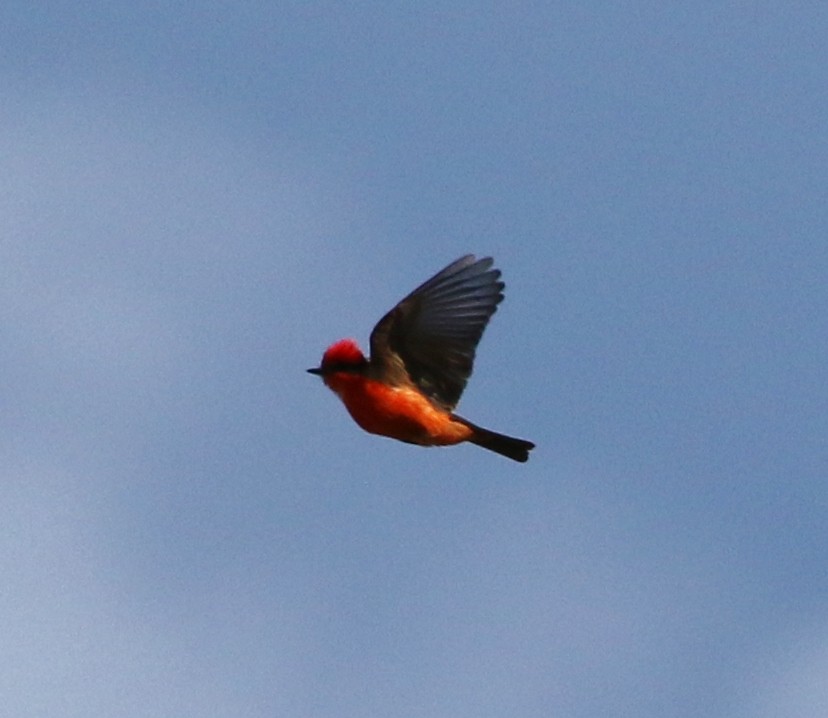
point(344, 366)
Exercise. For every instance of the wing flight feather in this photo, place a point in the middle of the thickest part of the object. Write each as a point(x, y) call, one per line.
point(432, 335)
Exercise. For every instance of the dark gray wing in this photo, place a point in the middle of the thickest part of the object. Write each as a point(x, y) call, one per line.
point(434, 331)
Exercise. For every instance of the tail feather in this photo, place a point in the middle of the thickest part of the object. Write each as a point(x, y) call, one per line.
point(509, 446)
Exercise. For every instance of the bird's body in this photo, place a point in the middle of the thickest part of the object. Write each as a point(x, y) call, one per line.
point(422, 353)
point(401, 412)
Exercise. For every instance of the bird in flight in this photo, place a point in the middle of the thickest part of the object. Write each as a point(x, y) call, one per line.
point(422, 354)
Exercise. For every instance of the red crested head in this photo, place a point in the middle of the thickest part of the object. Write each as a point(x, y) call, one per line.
point(345, 352)
point(343, 356)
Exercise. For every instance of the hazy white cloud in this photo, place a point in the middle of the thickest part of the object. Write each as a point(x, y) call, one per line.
point(790, 678)
point(132, 249)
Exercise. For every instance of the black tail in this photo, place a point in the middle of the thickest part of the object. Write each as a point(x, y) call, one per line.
point(509, 446)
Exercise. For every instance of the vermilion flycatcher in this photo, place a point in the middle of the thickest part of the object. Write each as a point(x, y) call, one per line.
point(422, 354)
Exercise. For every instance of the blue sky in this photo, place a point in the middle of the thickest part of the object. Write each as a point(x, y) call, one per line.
point(196, 201)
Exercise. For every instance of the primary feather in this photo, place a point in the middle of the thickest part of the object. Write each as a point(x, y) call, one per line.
point(431, 336)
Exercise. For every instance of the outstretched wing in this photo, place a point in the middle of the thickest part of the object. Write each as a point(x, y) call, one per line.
point(432, 334)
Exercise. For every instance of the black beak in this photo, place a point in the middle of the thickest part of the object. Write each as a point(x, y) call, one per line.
point(316, 371)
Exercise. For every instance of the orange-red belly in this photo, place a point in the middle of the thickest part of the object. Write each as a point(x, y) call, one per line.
point(399, 412)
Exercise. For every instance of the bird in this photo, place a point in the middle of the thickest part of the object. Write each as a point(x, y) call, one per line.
point(421, 356)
